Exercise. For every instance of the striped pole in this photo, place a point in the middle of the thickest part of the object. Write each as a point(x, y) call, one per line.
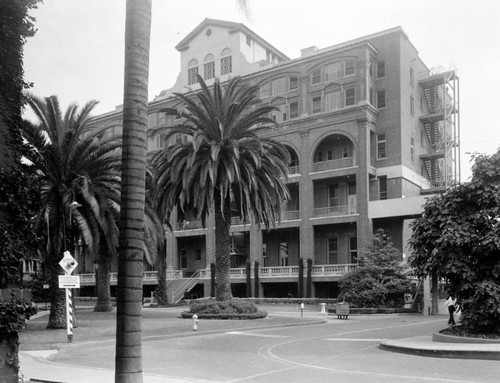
point(69, 315)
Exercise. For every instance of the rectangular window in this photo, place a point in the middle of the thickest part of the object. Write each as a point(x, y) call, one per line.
point(382, 187)
point(198, 254)
point(412, 106)
point(183, 256)
point(345, 152)
point(294, 109)
point(372, 96)
point(192, 73)
point(294, 83)
point(381, 99)
point(372, 68)
point(333, 195)
point(350, 97)
point(412, 79)
point(279, 86)
point(226, 65)
point(381, 69)
point(381, 147)
point(351, 188)
point(412, 149)
point(162, 140)
point(333, 251)
point(349, 68)
point(316, 77)
point(333, 71)
point(316, 104)
point(283, 253)
point(320, 156)
point(209, 71)
point(329, 155)
point(333, 101)
point(264, 91)
point(353, 249)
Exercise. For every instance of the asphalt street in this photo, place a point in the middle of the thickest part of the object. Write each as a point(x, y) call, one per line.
point(331, 350)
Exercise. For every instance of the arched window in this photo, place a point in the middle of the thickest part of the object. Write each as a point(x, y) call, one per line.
point(209, 68)
point(192, 72)
point(226, 64)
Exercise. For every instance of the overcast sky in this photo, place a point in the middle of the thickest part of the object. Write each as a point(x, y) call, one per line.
point(77, 53)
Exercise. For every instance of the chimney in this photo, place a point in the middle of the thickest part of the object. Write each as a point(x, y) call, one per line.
point(308, 51)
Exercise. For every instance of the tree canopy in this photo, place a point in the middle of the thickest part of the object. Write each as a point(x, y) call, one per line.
point(380, 280)
point(458, 237)
point(223, 166)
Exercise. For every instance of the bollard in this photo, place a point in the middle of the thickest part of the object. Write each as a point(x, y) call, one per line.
point(323, 306)
point(195, 322)
point(301, 309)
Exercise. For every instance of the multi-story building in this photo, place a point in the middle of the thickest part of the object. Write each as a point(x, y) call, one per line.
point(371, 131)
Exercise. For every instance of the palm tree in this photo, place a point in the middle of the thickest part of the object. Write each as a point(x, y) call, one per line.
point(71, 169)
point(128, 357)
point(224, 165)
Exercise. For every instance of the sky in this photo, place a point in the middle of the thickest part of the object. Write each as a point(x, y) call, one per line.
point(78, 50)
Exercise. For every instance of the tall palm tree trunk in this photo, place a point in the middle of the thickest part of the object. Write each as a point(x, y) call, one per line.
point(103, 303)
point(57, 316)
point(128, 359)
point(222, 256)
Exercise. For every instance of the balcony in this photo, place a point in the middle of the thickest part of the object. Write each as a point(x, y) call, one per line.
point(334, 211)
point(333, 164)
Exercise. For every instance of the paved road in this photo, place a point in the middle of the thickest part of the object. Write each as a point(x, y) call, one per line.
point(336, 350)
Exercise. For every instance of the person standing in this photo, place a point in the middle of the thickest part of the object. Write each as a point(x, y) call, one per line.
point(451, 303)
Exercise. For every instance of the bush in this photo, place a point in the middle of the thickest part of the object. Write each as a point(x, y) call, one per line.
point(232, 309)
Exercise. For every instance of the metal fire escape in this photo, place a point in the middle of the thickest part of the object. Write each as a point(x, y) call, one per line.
point(442, 129)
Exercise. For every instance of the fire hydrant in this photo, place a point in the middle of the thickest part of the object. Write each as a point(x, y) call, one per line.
point(195, 322)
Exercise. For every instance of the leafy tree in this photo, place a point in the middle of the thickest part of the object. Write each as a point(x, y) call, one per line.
point(224, 165)
point(70, 169)
point(380, 280)
point(18, 184)
point(19, 203)
point(458, 238)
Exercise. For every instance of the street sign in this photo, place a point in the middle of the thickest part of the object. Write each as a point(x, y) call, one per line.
point(69, 281)
point(68, 263)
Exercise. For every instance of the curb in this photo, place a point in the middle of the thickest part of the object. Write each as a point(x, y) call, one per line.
point(440, 353)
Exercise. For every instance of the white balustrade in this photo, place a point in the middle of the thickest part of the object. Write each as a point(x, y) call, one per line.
point(333, 164)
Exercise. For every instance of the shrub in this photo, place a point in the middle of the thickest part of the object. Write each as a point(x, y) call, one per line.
point(233, 309)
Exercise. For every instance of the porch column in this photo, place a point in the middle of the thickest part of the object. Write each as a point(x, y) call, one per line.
point(255, 244)
point(171, 248)
point(210, 240)
point(306, 199)
point(364, 224)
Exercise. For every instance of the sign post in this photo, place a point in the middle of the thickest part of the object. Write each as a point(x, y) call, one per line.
point(67, 282)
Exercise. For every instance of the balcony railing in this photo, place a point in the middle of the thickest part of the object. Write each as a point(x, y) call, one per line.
point(293, 170)
point(290, 215)
point(188, 225)
point(264, 272)
point(333, 211)
point(332, 270)
point(333, 164)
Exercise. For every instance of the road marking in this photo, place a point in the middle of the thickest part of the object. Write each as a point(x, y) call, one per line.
point(355, 340)
point(255, 334)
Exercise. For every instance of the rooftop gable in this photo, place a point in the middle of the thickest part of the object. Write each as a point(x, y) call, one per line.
point(232, 28)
